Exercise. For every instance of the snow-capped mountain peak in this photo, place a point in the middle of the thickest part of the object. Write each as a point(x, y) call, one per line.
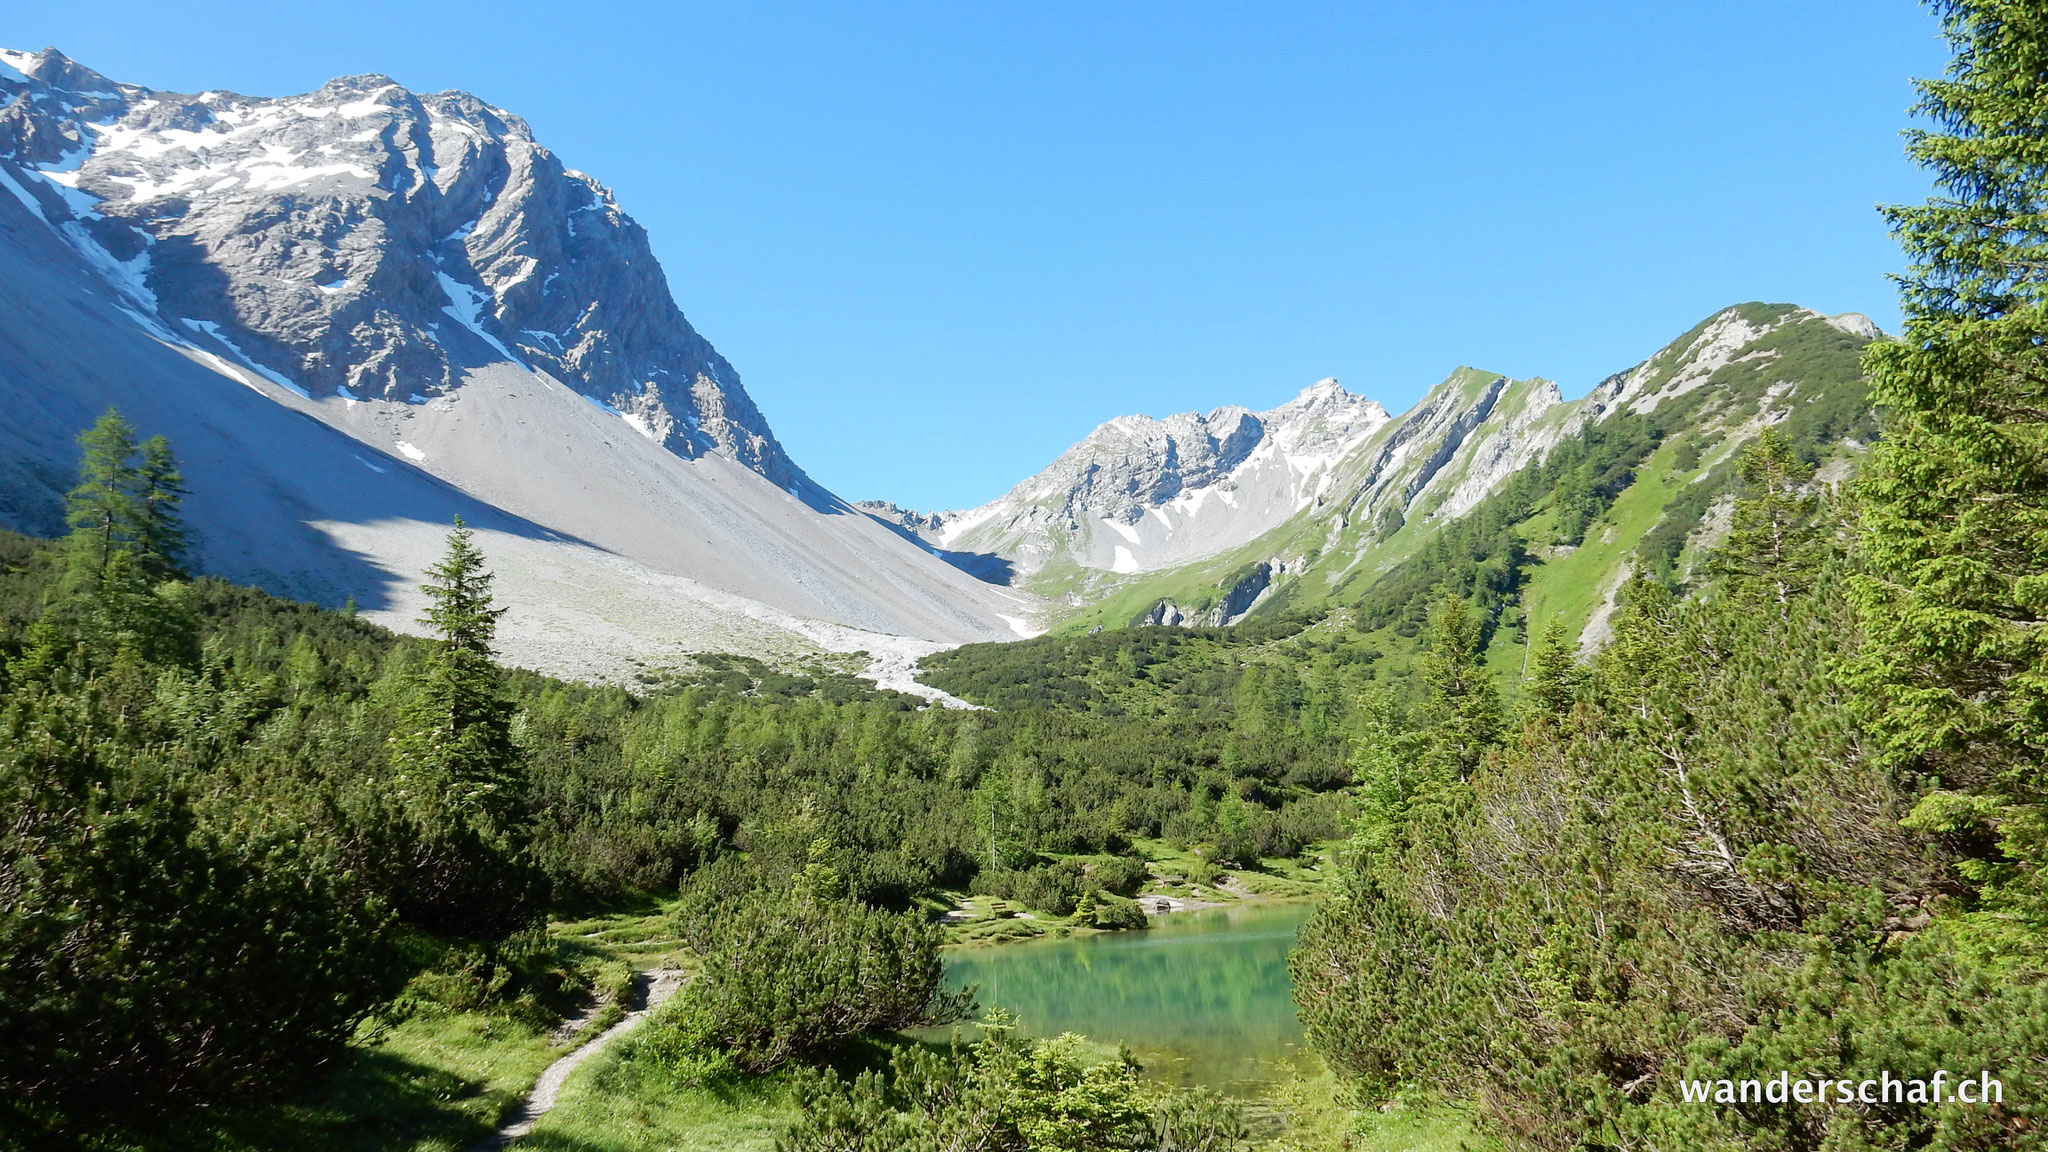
point(368, 241)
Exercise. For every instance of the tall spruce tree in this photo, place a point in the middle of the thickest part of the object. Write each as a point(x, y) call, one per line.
point(453, 745)
point(1954, 508)
point(1554, 674)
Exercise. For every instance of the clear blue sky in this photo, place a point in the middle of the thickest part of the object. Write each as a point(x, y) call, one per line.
point(941, 241)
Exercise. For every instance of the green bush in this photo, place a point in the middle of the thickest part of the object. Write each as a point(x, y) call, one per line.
point(1123, 875)
point(1115, 912)
point(1052, 887)
point(1009, 1094)
point(780, 980)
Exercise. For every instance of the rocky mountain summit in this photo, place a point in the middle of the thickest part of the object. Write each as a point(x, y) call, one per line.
point(368, 242)
point(361, 311)
point(1194, 519)
point(1140, 492)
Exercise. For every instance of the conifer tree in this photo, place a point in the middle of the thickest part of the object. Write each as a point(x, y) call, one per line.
point(160, 537)
point(453, 746)
point(1554, 673)
point(1773, 548)
point(111, 605)
point(106, 509)
point(1463, 706)
point(1954, 510)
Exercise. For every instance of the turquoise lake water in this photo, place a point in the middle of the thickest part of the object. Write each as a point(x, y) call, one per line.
point(1200, 997)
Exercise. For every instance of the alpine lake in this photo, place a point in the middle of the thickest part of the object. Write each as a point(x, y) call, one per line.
point(1200, 997)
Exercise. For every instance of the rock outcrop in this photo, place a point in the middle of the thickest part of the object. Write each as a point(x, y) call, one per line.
point(370, 242)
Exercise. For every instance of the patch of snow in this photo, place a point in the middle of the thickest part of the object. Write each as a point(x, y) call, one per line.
point(7, 69)
point(367, 106)
point(212, 329)
point(641, 426)
point(411, 453)
point(1124, 530)
point(333, 286)
point(1229, 498)
point(1308, 465)
point(1020, 626)
point(372, 467)
point(1189, 503)
point(1123, 561)
point(954, 528)
point(23, 195)
point(1161, 516)
point(465, 306)
point(524, 275)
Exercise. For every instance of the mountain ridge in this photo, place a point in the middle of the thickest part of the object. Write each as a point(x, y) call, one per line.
point(337, 306)
point(1056, 535)
point(407, 243)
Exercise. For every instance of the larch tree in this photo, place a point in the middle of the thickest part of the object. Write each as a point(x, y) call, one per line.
point(1774, 548)
point(1463, 705)
point(106, 509)
point(160, 486)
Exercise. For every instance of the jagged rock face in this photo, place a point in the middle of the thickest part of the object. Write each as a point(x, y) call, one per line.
point(1135, 462)
point(1192, 503)
point(368, 241)
point(1140, 492)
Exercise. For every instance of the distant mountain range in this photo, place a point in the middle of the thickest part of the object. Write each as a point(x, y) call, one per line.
point(361, 311)
point(1195, 519)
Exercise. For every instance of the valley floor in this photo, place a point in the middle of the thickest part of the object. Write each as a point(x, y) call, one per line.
point(448, 1081)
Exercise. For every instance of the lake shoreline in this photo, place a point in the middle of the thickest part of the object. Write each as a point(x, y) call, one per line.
point(1061, 929)
point(1200, 999)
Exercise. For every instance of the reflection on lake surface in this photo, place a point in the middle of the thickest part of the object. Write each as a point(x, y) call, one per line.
point(1200, 997)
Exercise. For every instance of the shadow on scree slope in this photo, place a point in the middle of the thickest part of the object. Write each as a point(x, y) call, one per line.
point(259, 474)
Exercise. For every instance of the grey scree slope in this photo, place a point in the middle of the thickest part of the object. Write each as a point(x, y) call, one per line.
point(362, 311)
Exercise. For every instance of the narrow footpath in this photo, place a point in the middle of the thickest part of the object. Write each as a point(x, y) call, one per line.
point(649, 990)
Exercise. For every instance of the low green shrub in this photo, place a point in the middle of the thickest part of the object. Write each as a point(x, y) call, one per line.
point(1009, 1094)
point(785, 979)
point(1116, 912)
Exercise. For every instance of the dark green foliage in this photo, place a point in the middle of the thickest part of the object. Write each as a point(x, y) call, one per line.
point(1052, 887)
point(455, 771)
point(1118, 874)
point(453, 750)
point(150, 958)
point(787, 979)
point(166, 941)
point(1009, 1094)
point(1955, 500)
point(160, 537)
point(1695, 870)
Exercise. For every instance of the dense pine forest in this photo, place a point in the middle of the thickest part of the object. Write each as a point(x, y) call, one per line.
point(1791, 816)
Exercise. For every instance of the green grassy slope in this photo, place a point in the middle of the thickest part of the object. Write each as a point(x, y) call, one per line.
point(1629, 491)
